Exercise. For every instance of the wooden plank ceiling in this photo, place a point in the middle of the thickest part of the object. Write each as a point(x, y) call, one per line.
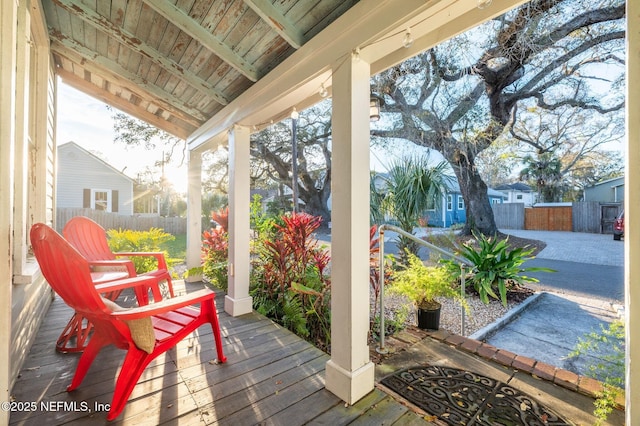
point(176, 63)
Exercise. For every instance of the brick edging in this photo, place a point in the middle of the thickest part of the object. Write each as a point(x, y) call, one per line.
point(561, 377)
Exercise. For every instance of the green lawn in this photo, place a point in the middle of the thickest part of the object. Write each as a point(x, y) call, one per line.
point(177, 249)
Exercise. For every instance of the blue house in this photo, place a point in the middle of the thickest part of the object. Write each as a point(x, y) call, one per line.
point(446, 211)
point(450, 210)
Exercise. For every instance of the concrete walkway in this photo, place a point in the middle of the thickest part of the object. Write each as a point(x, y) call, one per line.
point(548, 327)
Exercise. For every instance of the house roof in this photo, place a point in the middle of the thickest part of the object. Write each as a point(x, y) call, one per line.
point(195, 68)
point(453, 186)
point(618, 181)
point(72, 145)
point(518, 186)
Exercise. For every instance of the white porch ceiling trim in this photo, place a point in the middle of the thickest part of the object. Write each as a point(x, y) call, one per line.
point(376, 27)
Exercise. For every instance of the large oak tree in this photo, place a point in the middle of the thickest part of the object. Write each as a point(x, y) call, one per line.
point(271, 152)
point(461, 96)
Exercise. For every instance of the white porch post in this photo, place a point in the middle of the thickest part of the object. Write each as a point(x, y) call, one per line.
point(632, 216)
point(238, 302)
point(194, 212)
point(349, 373)
point(8, 43)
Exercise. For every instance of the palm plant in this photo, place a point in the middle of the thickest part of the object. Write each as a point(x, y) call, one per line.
point(411, 186)
point(545, 171)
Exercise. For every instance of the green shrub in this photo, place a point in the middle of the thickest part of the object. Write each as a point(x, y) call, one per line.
point(608, 347)
point(495, 268)
point(127, 240)
point(422, 284)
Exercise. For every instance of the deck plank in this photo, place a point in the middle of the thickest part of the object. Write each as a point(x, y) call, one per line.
point(387, 412)
point(271, 377)
point(305, 410)
point(253, 393)
point(345, 414)
point(272, 404)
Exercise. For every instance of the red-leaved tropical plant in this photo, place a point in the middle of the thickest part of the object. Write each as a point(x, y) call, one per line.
point(289, 281)
point(215, 251)
point(222, 217)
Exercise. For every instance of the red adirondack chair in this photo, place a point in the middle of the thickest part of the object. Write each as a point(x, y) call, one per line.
point(90, 239)
point(166, 322)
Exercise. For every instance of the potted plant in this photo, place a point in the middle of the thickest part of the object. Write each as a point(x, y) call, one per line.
point(422, 284)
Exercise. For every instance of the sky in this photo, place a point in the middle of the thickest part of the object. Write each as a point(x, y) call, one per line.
point(87, 122)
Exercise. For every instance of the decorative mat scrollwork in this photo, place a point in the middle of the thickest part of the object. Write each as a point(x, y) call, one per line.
point(459, 397)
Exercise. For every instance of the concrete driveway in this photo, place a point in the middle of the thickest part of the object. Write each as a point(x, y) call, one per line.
point(594, 249)
point(587, 265)
point(549, 325)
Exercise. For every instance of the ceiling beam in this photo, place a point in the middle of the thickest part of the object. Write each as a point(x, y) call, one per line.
point(441, 24)
point(184, 22)
point(290, 82)
point(276, 20)
point(369, 25)
point(79, 54)
point(134, 43)
point(123, 105)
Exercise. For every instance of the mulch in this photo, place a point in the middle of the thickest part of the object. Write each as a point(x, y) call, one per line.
point(513, 242)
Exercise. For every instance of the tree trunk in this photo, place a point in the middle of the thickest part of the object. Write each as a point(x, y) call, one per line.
point(316, 204)
point(478, 208)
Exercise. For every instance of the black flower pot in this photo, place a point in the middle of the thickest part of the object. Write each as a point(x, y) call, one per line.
point(429, 319)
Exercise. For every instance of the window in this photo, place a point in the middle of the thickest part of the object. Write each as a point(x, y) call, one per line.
point(460, 202)
point(495, 201)
point(449, 202)
point(101, 200)
point(431, 205)
point(519, 197)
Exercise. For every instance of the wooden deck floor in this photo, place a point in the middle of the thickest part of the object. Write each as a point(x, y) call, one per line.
point(271, 377)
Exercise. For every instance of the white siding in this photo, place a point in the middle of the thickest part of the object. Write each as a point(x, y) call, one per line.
point(79, 170)
point(31, 75)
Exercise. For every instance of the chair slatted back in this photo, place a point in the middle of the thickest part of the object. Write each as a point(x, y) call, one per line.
point(89, 238)
point(66, 271)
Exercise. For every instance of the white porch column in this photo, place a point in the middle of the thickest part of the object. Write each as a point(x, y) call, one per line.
point(349, 373)
point(238, 302)
point(194, 213)
point(8, 43)
point(632, 216)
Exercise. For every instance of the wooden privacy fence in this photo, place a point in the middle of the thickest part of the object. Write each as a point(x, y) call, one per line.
point(509, 215)
point(171, 225)
point(588, 216)
point(548, 219)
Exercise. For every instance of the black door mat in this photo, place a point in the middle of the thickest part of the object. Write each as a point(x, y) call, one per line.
point(459, 397)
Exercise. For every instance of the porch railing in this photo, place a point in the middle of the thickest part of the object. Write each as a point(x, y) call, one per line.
point(381, 230)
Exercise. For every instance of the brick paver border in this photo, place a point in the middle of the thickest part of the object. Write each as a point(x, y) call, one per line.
point(559, 376)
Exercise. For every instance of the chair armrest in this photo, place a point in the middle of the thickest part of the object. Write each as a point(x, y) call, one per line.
point(166, 305)
point(162, 263)
point(116, 262)
point(145, 280)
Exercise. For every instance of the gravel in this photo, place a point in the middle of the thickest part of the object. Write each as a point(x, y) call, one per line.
point(479, 315)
